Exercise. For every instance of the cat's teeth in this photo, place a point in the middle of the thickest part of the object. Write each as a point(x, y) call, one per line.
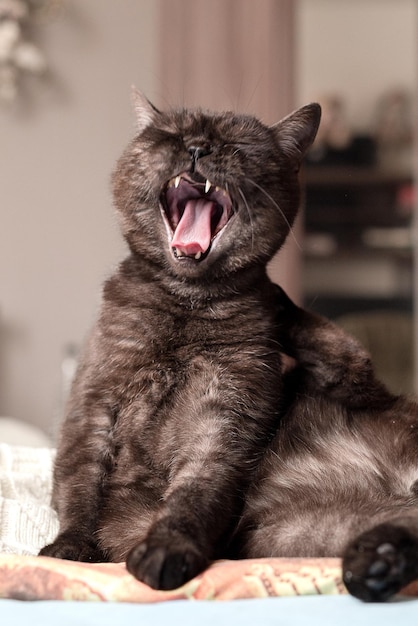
point(208, 186)
point(218, 189)
point(179, 254)
point(177, 181)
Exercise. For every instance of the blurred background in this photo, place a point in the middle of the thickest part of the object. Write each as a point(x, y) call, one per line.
point(66, 69)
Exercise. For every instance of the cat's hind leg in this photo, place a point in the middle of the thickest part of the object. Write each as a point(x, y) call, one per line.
point(382, 560)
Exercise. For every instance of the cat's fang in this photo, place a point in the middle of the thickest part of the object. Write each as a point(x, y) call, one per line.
point(177, 181)
point(208, 185)
point(198, 255)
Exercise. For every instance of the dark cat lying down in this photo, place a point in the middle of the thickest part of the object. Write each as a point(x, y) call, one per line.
point(184, 439)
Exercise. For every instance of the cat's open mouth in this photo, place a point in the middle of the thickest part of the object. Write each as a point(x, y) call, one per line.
point(195, 212)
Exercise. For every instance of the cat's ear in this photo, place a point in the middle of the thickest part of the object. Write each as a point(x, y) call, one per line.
point(145, 112)
point(296, 132)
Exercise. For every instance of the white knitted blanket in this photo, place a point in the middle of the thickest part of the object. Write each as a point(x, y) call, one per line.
point(27, 521)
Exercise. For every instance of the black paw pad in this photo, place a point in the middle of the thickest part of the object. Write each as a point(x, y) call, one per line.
point(380, 562)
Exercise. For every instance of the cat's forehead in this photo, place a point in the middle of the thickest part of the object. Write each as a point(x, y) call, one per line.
point(216, 125)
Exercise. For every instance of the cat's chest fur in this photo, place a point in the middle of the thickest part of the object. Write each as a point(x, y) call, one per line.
point(157, 354)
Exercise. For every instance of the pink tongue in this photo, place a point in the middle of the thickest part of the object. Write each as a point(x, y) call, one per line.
point(193, 232)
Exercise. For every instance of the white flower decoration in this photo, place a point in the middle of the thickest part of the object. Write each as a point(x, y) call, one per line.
point(17, 55)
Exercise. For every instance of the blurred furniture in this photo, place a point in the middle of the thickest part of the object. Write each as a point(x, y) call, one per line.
point(19, 433)
point(358, 246)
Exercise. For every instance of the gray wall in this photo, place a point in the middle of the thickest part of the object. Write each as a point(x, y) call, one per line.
point(58, 237)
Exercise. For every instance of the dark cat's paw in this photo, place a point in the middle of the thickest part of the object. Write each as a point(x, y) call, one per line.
point(74, 547)
point(380, 562)
point(165, 565)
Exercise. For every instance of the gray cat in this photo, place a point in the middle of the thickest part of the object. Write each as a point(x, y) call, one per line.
point(185, 439)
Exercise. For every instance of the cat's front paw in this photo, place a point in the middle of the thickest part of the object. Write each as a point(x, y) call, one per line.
point(74, 547)
point(166, 564)
point(380, 562)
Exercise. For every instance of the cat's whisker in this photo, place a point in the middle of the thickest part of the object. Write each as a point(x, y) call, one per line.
point(273, 201)
point(241, 193)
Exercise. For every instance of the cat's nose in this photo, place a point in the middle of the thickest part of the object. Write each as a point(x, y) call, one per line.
point(197, 152)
